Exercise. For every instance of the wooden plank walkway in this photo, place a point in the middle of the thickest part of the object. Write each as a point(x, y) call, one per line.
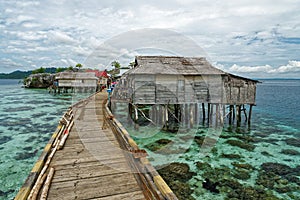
point(91, 165)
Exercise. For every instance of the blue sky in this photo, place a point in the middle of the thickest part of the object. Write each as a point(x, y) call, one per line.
point(257, 39)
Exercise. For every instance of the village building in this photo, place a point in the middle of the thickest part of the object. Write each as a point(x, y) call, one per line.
point(75, 81)
point(187, 88)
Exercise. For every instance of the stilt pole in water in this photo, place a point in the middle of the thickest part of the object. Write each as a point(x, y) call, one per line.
point(217, 114)
point(233, 114)
point(245, 113)
point(230, 114)
point(250, 113)
point(208, 113)
point(211, 114)
point(203, 112)
point(238, 109)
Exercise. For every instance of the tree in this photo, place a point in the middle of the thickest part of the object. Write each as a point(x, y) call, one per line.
point(116, 64)
point(131, 65)
point(60, 69)
point(70, 68)
point(79, 66)
point(39, 70)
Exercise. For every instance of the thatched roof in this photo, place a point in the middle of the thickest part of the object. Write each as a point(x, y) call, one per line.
point(174, 65)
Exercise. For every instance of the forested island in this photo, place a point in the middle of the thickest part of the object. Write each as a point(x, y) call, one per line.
point(23, 74)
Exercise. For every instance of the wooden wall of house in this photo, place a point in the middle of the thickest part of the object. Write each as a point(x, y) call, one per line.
point(166, 89)
point(238, 91)
point(172, 89)
point(195, 89)
point(77, 83)
point(143, 89)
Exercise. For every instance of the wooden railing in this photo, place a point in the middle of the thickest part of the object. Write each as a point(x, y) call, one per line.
point(152, 184)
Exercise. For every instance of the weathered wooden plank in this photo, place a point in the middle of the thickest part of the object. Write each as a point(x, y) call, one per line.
point(73, 161)
point(81, 172)
point(91, 165)
point(137, 195)
point(94, 187)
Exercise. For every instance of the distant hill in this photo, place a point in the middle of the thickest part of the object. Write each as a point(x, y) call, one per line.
point(15, 75)
point(22, 74)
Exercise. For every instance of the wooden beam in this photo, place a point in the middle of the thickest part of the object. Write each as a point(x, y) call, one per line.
point(203, 112)
point(250, 114)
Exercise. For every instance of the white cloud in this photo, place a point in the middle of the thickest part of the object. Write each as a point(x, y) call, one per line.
point(246, 33)
point(30, 25)
point(27, 3)
point(61, 37)
point(291, 67)
point(80, 51)
point(22, 18)
point(69, 62)
point(250, 69)
point(30, 35)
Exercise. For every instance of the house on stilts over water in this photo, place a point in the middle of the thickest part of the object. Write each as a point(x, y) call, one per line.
point(166, 90)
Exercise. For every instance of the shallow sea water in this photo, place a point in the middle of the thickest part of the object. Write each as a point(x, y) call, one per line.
point(261, 159)
point(28, 118)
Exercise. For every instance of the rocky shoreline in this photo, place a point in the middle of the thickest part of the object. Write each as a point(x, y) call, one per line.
point(42, 80)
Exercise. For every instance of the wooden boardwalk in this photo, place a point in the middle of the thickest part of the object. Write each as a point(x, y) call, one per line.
point(91, 165)
point(92, 156)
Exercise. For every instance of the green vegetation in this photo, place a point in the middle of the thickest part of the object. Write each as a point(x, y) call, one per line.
point(15, 75)
point(60, 69)
point(116, 64)
point(70, 68)
point(40, 70)
point(131, 65)
point(115, 70)
point(23, 74)
point(79, 66)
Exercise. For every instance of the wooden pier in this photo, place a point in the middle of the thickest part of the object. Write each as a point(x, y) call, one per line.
point(98, 160)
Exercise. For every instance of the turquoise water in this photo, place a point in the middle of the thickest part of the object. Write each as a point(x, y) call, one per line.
point(28, 119)
point(257, 162)
point(30, 116)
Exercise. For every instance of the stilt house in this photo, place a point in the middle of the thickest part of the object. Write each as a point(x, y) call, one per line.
point(162, 80)
point(81, 81)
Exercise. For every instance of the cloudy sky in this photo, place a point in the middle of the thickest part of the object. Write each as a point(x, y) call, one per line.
point(253, 38)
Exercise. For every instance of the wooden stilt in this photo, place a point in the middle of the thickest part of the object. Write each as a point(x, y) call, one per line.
point(211, 114)
point(159, 116)
point(192, 111)
point(223, 114)
point(250, 113)
point(217, 114)
point(136, 117)
point(196, 114)
point(233, 114)
point(182, 115)
point(239, 118)
point(129, 116)
point(154, 114)
point(230, 114)
point(177, 110)
point(245, 113)
point(187, 115)
point(166, 117)
point(203, 112)
point(208, 113)
point(224, 111)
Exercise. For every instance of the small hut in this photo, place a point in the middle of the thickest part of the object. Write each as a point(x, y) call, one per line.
point(190, 84)
point(78, 81)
